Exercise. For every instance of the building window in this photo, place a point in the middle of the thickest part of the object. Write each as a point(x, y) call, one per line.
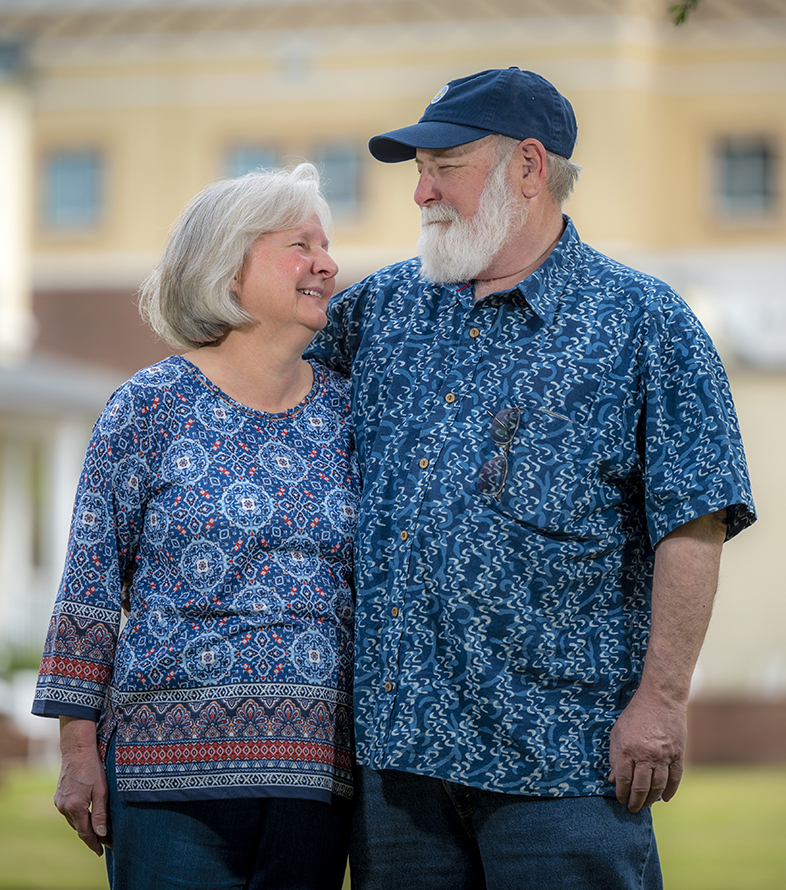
point(242, 159)
point(747, 177)
point(339, 166)
point(73, 186)
point(12, 58)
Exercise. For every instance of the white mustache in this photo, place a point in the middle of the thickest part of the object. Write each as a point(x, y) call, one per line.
point(434, 213)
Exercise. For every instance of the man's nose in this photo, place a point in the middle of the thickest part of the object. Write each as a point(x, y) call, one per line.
point(426, 192)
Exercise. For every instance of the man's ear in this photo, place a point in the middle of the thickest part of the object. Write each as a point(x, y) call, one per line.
point(531, 167)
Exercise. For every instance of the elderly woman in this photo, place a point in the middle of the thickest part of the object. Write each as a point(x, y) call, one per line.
point(217, 720)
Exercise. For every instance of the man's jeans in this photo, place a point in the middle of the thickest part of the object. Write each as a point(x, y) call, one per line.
point(413, 832)
point(250, 843)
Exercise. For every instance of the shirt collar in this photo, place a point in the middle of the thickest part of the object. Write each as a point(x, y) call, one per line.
point(445, 296)
point(543, 288)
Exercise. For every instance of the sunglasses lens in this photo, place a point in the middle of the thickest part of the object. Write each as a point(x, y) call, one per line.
point(492, 475)
point(504, 425)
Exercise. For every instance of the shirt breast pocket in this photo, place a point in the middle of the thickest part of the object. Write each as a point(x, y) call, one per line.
point(547, 477)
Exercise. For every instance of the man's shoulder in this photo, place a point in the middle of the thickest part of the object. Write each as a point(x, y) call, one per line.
point(617, 281)
point(391, 289)
point(595, 262)
point(405, 272)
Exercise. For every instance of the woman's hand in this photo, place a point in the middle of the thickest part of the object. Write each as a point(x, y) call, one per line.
point(82, 793)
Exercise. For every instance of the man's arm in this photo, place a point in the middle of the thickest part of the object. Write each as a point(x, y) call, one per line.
point(336, 344)
point(648, 739)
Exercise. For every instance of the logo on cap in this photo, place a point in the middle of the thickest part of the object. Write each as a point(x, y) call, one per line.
point(440, 94)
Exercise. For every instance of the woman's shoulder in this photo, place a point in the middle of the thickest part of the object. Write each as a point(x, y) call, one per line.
point(132, 400)
point(162, 375)
point(332, 380)
point(171, 373)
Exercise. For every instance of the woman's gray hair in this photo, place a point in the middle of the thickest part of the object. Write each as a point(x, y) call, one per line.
point(561, 173)
point(187, 299)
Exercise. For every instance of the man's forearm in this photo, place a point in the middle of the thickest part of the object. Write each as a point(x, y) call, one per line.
point(647, 745)
point(685, 579)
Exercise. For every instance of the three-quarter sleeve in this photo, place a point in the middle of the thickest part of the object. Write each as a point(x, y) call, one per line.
point(113, 488)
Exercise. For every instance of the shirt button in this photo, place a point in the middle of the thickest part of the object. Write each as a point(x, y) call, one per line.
point(394, 611)
point(388, 686)
point(404, 535)
point(450, 398)
point(422, 463)
point(474, 332)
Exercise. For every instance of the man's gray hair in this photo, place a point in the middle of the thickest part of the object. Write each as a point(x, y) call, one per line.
point(187, 299)
point(561, 173)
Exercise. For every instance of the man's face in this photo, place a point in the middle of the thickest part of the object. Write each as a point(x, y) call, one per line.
point(468, 210)
point(454, 176)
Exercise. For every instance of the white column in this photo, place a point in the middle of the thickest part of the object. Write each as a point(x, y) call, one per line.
point(68, 441)
point(15, 540)
point(16, 320)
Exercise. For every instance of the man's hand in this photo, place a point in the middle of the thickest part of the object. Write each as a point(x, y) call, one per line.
point(81, 794)
point(647, 752)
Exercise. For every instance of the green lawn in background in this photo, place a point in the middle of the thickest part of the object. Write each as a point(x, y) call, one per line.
point(38, 849)
point(725, 830)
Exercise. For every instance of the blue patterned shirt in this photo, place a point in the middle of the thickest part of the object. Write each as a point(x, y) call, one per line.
point(233, 675)
point(498, 641)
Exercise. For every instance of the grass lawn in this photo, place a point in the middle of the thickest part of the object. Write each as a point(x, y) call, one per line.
point(725, 830)
point(38, 848)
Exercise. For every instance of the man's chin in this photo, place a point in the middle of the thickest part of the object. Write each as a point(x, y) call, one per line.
point(440, 276)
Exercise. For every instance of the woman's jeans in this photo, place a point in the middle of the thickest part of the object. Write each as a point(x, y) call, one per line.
point(413, 832)
point(250, 843)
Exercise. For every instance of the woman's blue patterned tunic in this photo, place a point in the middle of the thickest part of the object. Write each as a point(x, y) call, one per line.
point(233, 674)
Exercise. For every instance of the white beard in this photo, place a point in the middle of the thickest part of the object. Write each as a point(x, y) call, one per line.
point(454, 249)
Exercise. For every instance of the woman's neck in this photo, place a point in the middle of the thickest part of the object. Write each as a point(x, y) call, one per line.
point(263, 376)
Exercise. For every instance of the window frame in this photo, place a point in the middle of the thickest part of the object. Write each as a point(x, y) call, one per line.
point(349, 207)
point(723, 210)
point(55, 215)
point(267, 150)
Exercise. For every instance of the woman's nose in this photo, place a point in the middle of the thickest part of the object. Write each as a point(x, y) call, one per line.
point(325, 265)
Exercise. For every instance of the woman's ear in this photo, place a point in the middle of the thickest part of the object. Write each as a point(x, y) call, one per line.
point(531, 167)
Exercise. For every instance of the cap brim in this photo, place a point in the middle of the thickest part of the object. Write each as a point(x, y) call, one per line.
point(401, 145)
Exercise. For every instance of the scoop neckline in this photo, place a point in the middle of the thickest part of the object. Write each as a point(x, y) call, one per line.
point(270, 415)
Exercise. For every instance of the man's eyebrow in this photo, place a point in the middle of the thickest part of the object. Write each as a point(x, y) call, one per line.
point(442, 155)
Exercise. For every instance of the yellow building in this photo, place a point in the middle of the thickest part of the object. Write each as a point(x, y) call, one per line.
point(131, 106)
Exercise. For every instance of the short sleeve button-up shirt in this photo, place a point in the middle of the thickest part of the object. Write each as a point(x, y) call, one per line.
point(499, 639)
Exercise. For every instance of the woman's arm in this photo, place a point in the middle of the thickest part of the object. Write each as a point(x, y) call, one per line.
point(81, 794)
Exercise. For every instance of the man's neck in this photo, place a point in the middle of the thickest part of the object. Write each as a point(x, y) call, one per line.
point(518, 262)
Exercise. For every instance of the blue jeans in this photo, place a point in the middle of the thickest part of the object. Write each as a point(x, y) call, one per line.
point(240, 843)
point(413, 832)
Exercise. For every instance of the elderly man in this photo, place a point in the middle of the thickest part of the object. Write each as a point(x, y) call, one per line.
point(551, 463)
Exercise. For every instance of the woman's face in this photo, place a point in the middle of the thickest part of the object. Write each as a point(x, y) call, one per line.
point(288, 278)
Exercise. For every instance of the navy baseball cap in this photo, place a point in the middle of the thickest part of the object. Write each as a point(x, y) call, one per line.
point(509, 101)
